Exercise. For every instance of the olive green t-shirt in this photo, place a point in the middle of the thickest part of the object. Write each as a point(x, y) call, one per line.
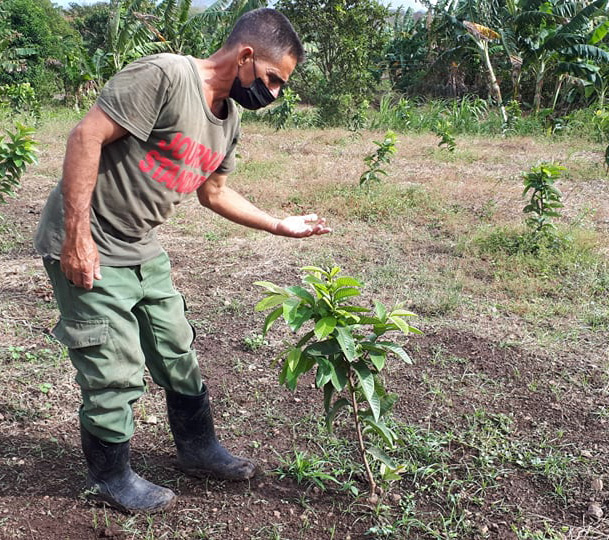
point(175, 142)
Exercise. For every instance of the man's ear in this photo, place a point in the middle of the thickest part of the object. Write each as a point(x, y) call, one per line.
point(245, 54)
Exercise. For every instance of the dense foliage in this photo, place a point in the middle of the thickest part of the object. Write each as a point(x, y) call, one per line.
point(548, 57)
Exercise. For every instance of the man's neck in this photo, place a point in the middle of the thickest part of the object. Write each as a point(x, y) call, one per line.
point(217, 76)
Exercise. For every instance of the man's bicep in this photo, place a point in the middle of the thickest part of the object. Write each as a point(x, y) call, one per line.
point(99, 125)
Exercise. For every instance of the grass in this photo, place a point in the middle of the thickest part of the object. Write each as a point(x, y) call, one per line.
point(497, 419)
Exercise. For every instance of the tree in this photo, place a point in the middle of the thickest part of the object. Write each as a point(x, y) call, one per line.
point(556, 37)
point(345, 40)
point(406, 51)
point(91, 22)
point(36, 25)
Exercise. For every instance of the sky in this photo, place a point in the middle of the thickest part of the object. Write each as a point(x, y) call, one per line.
point(394, 3)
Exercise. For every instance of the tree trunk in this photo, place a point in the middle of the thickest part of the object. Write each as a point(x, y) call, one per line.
point(493, 84)
point(539, 86)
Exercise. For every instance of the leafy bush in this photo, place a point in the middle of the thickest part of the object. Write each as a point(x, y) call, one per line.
point(20, 98)
point(285, 114)
point(345, 346)
point(15, 155)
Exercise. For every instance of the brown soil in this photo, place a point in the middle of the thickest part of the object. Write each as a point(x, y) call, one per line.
point(476, 361)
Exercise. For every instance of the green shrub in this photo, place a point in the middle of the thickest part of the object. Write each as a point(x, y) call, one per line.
point(15, 154)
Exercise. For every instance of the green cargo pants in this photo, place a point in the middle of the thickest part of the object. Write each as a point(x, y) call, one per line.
point(132, 318)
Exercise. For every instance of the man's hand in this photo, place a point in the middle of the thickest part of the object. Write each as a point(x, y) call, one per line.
point(80, 261)
point(301, 226)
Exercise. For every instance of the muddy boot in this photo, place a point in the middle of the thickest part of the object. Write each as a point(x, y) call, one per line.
point(112, 481)
point(199, 452)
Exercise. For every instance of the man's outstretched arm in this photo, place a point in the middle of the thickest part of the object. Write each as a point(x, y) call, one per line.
point(217, 196)
point(79, 255)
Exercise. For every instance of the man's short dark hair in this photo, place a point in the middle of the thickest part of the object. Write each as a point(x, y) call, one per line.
point(268, 32)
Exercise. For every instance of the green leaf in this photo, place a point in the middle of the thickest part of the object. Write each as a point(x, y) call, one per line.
point(313, 280)
point(304, 364)
point(347, 292)
point(401, 324)
point(378, 358)
point(271, 287)
point(271, 318)
point(395, 349)
point(295, 314)
point(377, 453)
point(328, 347)
point(355, 309)
point(366, 380)
point(339, 375)
point(336, 408)
point(402, 313)
point(315, 270)
point(380, 311)
point(599, 33)
point(302, 293)
point(380, 428)
point(324, 327)
point(325, 370)
point(304, 339)
point(346, 342)
point(270, 301)
point(346, 281)
point(293, 358)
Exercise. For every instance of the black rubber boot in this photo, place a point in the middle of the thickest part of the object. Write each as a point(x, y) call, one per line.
point(112, 481)
point(200, 453)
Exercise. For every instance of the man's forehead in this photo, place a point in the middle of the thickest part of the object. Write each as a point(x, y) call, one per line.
point(284, 66)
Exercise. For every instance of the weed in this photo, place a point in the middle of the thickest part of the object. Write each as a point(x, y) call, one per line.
point(549, 533)
point(306, 469)
point(254, 342)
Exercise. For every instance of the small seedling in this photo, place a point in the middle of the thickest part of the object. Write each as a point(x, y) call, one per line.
point(545, 198)
point(254, 342)
point(375, 161)
point(345, 346)
point(444, 131)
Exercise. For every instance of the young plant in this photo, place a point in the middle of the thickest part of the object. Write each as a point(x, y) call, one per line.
point(345, 346)
point(15, 155)
point(285, 114)
point(443, 130)
point(375, 161)
point(545, 198)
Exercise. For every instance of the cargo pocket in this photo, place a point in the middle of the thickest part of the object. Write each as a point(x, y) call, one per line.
point(79, 334)
point(91, 350)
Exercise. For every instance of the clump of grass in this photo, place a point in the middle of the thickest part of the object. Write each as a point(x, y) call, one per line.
point(386, 203)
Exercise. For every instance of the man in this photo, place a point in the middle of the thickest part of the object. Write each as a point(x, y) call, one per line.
point(162, 128)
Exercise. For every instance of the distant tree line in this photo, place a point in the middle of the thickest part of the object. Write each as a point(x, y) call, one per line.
point(533, 55)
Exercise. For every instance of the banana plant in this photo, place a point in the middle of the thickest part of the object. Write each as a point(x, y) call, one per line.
point(560, 37)
point(344, 344)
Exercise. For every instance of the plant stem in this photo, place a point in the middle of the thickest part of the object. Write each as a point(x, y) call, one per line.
point(360, 438)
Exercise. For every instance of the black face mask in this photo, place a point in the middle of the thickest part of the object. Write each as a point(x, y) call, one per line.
point(253, 97)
